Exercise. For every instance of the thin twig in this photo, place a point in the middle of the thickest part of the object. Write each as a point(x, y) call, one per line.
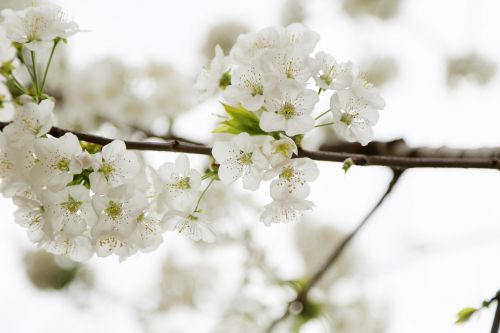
point(440, 158)
point(301, 297)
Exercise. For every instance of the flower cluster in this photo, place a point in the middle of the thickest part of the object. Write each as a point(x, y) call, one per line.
point(78, 198)
point(271, 83)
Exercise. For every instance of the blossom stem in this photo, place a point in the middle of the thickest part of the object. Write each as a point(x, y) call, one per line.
point(35, 75)
point(56, 42)
point(204, 191)
point(327, 124)
point(23, 61)
point(18, 84)
point(321, 115)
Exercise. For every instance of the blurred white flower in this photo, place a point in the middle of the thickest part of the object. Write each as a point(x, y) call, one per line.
point(332, 75)
point(285, 210)
point(213, 78)
point(30, 121)
point(191, 224)
point(7, 51)
point(38, 25)
point(119, 211)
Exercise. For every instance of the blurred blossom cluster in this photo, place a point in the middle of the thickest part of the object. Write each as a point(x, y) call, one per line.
point(293, 12)
point(224, 35)
point(47, 271)
point(470, 67)
point(382, 9)
point(132, 99)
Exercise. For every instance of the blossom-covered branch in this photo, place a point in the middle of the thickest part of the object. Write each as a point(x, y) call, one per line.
point(393, 154)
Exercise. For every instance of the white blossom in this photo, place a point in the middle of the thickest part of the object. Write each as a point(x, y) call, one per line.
point(77, 248)
point(301, 38)
point(30, 121)
point(70, 210)
point(179, 183)
point(30, 215)
point(353, 116)
point(212, 79)
point(284, 67)
point(247, 88)
point(251, 46)
point(114, 166)
point(332, 75)
point(7, 51)
point(240, 157)
point(191, 224)
point(280, 150)
point(37, 26)
point(284, 211)
point(148, 233)
point(57, 161)
point(289, 110)
point(293, 178)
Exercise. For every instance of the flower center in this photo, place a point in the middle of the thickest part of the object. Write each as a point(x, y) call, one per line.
point(326, 78)
point(288, 111)
point(182, 184)
point(71, 206)
point(245, 158)
point(282, 149)
point(346, 118)
point(63, 164)
point(106, 169)
point(287, 173)
point(114, 209)
point(257, 89)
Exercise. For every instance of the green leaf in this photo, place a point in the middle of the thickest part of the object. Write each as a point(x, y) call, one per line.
point(239, 120)
point(465, 314)
point(348, 163)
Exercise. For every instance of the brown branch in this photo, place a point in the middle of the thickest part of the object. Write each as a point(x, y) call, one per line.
point(496, 320)
point(483, 158)
point(301, 297)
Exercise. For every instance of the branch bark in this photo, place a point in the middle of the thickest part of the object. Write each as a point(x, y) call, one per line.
point(496, 320)
point(301, 297)
point(422, 157)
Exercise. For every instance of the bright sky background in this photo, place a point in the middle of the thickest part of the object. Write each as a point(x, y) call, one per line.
point(431, 250)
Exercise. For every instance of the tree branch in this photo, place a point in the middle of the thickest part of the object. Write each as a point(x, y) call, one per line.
point(301, 297)
point(496, 320)
point(482, 158)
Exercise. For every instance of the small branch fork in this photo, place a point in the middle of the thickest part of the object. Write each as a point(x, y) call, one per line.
point(394, 154)
point(302, 295)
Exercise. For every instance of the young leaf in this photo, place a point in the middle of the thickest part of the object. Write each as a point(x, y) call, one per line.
point(240, 120)
point(464, 315)
point(348, 163)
